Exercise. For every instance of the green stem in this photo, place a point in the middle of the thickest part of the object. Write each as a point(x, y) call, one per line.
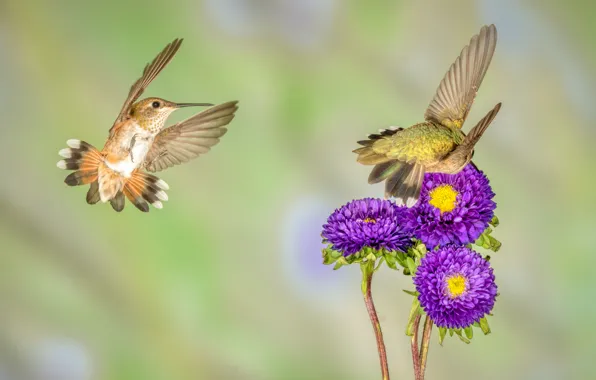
point(428, 325)
point(367, 273)
point(415, 352)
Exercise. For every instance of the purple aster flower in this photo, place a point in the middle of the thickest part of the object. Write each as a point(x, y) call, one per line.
point(453, 208)
point(369, 222)
point(456, 286)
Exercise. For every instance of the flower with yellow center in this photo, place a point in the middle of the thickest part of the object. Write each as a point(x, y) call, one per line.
point(453, 208)
point(456, 285)
point(443, 197)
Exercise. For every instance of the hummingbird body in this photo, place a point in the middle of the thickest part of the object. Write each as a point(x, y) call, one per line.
point(432, 142)
point(437, 145)
point(126, 149)
point(130, 140)
point(138, 141)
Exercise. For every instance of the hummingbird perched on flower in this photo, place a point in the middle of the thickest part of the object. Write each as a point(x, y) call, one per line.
point(437, 145)
point(138, 142)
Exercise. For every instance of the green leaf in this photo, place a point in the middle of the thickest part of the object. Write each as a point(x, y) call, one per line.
point(469, 332)
point(442, 333)
point(414, 312)
point(484, 326)
point(411, 292)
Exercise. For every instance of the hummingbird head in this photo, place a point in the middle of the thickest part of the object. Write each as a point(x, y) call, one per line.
point(151, 113)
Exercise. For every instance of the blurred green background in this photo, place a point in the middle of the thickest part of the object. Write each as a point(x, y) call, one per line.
point(226, 282)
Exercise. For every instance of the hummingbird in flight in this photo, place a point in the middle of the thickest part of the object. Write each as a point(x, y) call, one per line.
point(138, 142)
point(401, 156)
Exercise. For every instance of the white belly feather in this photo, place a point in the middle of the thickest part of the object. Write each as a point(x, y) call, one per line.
point(139, 147)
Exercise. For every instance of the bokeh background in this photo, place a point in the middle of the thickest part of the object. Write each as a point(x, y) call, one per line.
point(226, 282)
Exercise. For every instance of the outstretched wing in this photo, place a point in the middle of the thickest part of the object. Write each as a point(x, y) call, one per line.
point(457, 90)
point(149, 73)
point(190, 138)
point(476, 132)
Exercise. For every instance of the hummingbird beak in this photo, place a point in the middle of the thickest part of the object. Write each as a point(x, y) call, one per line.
point(180, 105)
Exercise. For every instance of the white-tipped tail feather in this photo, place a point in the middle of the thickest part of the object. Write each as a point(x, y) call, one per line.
point(74, 143)
point(162, 184)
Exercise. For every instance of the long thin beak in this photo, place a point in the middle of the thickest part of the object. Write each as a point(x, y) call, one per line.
point(180, 105)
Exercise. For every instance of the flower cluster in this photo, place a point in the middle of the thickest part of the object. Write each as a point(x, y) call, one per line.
point(455, 285)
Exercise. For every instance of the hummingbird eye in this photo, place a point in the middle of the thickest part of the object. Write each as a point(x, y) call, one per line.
point(155, 104)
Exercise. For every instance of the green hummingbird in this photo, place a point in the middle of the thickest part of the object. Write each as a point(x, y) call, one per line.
point(437, 145)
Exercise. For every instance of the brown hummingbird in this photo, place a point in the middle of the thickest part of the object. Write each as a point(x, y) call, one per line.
point(138, 142)
point(437, 145)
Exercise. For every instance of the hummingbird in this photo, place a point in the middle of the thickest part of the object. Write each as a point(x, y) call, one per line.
point(138, 142)
point(403, 155)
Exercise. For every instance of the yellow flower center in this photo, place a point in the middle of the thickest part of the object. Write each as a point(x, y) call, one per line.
point(369, 220)
point(444, 198)
point(456, 285)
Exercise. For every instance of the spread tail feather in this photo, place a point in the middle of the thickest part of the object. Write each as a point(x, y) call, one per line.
point(381, 171)
point(84, 159)
point(405, 184)
point(366, 153)
point(143, 188)
point(106, 184)
point(110, 183)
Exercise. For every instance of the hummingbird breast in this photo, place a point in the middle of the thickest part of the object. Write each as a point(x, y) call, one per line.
point(127, 147)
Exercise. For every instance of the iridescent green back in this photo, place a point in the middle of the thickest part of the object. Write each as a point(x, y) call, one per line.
point(424, 143)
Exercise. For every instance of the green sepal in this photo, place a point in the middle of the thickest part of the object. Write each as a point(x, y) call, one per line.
point(442, 333)
point(487, 241)
point(340, 263)
point(411, 292)
point(469, 332)
point(461, 337)
point(483, 324)
point(390, 258)
point(494, 221)
point(330, 255)
point(415, 310)
point(419, 249)
point(411, 265)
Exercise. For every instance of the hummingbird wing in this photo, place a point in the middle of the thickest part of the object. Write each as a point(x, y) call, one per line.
point(190, 138)
point(457, 90)
point(475, 133)
point(149, 73)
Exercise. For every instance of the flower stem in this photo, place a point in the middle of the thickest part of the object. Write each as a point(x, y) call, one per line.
point(367, 274)
point(428, 325)
point(415, 352)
